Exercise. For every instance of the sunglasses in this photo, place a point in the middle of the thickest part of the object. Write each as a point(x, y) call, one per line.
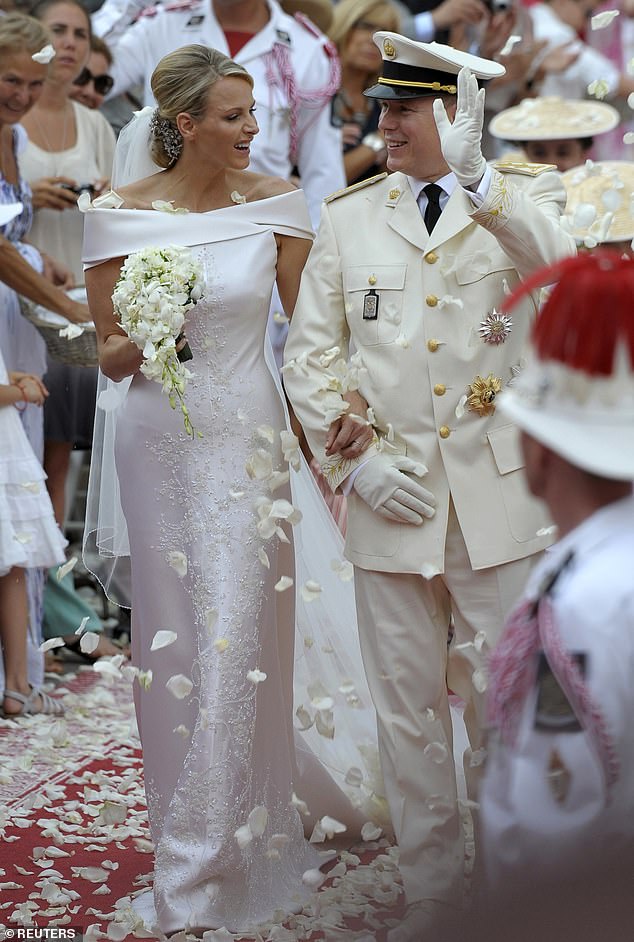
point(102, 83)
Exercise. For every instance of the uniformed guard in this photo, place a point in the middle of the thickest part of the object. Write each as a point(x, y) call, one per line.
point(411, 268)
point(557, 799)
point(294, 68)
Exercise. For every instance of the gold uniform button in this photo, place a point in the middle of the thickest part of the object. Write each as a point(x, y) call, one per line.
point(431, 300)
point(431, 258)
point(440, 389)
point(372, 280)
point(444, 431)
point(432, 345)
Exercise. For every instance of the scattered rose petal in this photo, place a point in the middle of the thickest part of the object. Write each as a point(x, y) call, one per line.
point(52, 643)
point(221, 645)
point(371, 831)
point(71, 332)
point(82, 624)
point(178, 562)
point(257, 820)
point(313, 879)
point(179, 686)
point(65, 568)
point(256, 677)
point(436, 751)
point(162, 639)
point(601, 20)
point(599, 88)
point(45, 55)
point(89, 642)
point(264, 559)
point(285, 582)
point(301, 806)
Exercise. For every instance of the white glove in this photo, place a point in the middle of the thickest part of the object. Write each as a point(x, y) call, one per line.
point(382, 483)
point(460, 141)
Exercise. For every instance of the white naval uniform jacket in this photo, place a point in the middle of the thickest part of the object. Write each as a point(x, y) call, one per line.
point(524, 830)
point(423, 351)
point(319, 156)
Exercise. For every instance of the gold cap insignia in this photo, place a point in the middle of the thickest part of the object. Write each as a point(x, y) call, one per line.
point(388, 48)
point(394, 194)
point(482, 393)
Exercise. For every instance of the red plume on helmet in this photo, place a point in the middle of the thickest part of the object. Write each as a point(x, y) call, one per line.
point(588, 313)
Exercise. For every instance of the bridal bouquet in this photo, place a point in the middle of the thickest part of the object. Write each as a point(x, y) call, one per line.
point(155, 289)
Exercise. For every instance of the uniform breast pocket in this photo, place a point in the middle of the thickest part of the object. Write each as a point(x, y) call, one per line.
point(374, 302)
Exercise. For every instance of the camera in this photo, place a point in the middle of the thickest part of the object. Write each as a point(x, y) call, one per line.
point(79, 188)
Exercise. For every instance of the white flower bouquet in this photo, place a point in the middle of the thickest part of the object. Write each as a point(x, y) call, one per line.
point(156, 288)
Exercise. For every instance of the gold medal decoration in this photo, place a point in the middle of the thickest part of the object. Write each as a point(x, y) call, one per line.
point(482, 393)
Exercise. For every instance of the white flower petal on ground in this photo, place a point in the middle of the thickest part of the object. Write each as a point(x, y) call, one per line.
point(52, 643)
point(311, 590)
point(256, 677)
point(93, 874)
point(112, 812)
point(313, 879)
point(65, 568)
point(178, 562)
point(601, 20)
point(89, 641)
point(179, 686)
point(162, 639)
point(257, 820)
point(371, 831)
point(285, 582)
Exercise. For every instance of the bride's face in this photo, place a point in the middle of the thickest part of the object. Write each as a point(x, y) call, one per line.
point(224, 133)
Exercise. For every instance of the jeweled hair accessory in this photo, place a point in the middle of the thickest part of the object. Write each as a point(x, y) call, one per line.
point(168, 134)
point(45, 55)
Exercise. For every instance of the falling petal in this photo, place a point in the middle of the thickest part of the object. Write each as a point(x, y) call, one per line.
point(599, 88)
point(507, 48)
point(221, 645)
point(178, 562)
point(354, 777)
point(52, 643)
point(311, 590)
point(628, 137)
point(264, 559)
point(324, 724)
point(479, 681)
point(243, 836)
point(182, 730)
point(89, 642)
point(256, 677)
point(280, 318)
point(82, 624)
point(179, 686)
point(278, 841)
point(601, 20)
point(344, 569)
point(266, 432)
point(477, 758)
point(71, 332)
point(162, 639)
point(45, 55)
point(257, 820)
point(479, 641)
point(145, 679)
point(301, 806)
point(285, 582)
point(65, 568)
point(304, 717)
point(313, 879)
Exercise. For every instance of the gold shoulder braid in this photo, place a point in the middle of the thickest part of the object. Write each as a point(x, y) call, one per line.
point(354, 187)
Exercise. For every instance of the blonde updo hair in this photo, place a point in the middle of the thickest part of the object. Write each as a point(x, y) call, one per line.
point(348, 12)
point(181, 83)
point(21, 33)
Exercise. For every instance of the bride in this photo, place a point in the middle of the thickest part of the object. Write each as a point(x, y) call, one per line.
point(215, 720)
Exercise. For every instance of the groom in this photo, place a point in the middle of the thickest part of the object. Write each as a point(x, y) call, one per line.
point(409, 268)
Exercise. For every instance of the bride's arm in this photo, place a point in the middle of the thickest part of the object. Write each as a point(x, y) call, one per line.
point(118, 355)
point(292, 253)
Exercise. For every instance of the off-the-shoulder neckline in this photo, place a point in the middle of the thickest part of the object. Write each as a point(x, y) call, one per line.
point(190, 212)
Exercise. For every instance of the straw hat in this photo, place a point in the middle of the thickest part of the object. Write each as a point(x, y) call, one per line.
point(319, 11)
point(600, 206)
point(553, 119)
point(416, 70)
point(576, 393)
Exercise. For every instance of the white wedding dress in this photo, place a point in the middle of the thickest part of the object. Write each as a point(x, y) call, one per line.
point(214, 755)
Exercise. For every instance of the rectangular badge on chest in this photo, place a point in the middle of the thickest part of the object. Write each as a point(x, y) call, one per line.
point(371, 306)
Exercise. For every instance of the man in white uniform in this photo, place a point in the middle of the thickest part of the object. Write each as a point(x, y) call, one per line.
point(557, 800)
point(294, 68)
point(409, 268)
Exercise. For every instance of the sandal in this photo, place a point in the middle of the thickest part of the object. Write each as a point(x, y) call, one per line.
point(49, 706)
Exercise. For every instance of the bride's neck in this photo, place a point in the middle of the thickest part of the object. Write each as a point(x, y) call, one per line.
point(186, 186)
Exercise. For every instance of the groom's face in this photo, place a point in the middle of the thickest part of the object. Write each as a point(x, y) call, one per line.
point(411, 136)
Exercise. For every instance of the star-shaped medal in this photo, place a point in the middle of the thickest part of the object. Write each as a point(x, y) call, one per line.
point(482, 393)
point(495, 328)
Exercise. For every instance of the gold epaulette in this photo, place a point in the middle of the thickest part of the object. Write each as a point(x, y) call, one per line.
point(523, 167)
point(355, 186)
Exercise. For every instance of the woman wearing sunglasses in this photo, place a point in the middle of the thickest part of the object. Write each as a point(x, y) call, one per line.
point(94, 81)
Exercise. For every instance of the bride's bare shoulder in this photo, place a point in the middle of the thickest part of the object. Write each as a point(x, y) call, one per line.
point(140, 194)
point(258, 186)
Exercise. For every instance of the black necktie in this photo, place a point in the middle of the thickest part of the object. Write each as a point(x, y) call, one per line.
point(432, 212)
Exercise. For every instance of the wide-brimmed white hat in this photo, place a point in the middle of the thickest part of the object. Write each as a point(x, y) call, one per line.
point(600, 202)
point(415, 70)
point(576, 393)
point(553, 119)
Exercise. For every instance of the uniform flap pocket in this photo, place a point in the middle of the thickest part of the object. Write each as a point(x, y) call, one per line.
point(386, 277)
point(472, 268)
point(505, 445)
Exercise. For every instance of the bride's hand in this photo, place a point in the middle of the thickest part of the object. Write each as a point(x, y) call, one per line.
point(350, 434)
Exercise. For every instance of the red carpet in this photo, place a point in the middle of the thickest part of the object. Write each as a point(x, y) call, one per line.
point(74, 844)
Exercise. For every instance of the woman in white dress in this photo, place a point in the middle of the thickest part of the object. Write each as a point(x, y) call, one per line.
point(200, 565)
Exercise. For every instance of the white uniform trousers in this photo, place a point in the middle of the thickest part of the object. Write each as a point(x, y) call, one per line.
point(404, 621)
